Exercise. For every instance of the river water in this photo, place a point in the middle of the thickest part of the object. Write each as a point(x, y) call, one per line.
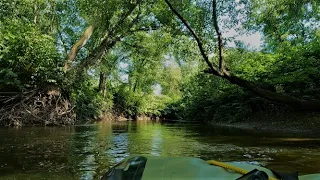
point(86, 152)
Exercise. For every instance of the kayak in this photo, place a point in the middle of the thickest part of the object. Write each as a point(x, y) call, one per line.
point(176, 168)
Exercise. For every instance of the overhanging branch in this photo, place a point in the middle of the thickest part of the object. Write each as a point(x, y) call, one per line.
point(195, 36)
point(225, 74)
point(216, 27)
point(77, 46)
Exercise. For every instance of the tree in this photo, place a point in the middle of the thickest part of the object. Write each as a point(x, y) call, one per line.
point(114, 26)
point(222, 71)
point(138, 55)
point(29, 57)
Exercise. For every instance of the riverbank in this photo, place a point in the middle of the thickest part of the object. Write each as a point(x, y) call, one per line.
point(297, 122)
point(44, 106)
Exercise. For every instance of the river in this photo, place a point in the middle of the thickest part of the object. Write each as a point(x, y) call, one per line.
point(86, 152)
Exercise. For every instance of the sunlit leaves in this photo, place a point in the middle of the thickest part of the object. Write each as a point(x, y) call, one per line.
point(286, 20)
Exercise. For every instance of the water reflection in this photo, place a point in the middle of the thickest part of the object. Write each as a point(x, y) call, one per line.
point(157, 140)
point(86, 152)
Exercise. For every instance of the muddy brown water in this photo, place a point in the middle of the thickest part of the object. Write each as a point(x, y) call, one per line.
point(86, 152)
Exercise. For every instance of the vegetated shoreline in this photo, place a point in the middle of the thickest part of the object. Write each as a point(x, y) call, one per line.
point(304, 123)
point(288, 122)
point(273, 122)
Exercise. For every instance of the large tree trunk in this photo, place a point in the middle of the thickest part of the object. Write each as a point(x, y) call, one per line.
point(273, 96)
point(77, 46)
point(99, 52)
point(135, 85)
point(102, 83)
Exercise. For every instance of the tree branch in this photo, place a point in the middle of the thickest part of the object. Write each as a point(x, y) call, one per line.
point(216, 27)
point(195, 36)
point(121, 21)
point(77, 46)
point(225, 74)
point(99, 52)
point(108, 42)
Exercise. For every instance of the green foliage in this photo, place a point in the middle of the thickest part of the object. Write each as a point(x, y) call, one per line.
point(126, 103)
point(155, 67)
point(294, 20)
point(293, 70)
point(206, 98)
point(28, 57)
point(89, 103)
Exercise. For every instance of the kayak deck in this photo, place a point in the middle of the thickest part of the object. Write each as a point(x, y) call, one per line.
point(154, 167)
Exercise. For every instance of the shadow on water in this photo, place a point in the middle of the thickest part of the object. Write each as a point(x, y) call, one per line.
point(86, 152)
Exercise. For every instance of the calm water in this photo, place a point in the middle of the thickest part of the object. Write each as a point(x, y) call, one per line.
point(86, 152)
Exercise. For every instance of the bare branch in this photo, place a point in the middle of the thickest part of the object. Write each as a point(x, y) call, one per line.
point(195, 36)
point(216, 27)
point(77, 46)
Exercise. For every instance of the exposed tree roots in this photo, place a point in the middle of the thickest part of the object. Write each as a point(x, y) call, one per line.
point(41, 107)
